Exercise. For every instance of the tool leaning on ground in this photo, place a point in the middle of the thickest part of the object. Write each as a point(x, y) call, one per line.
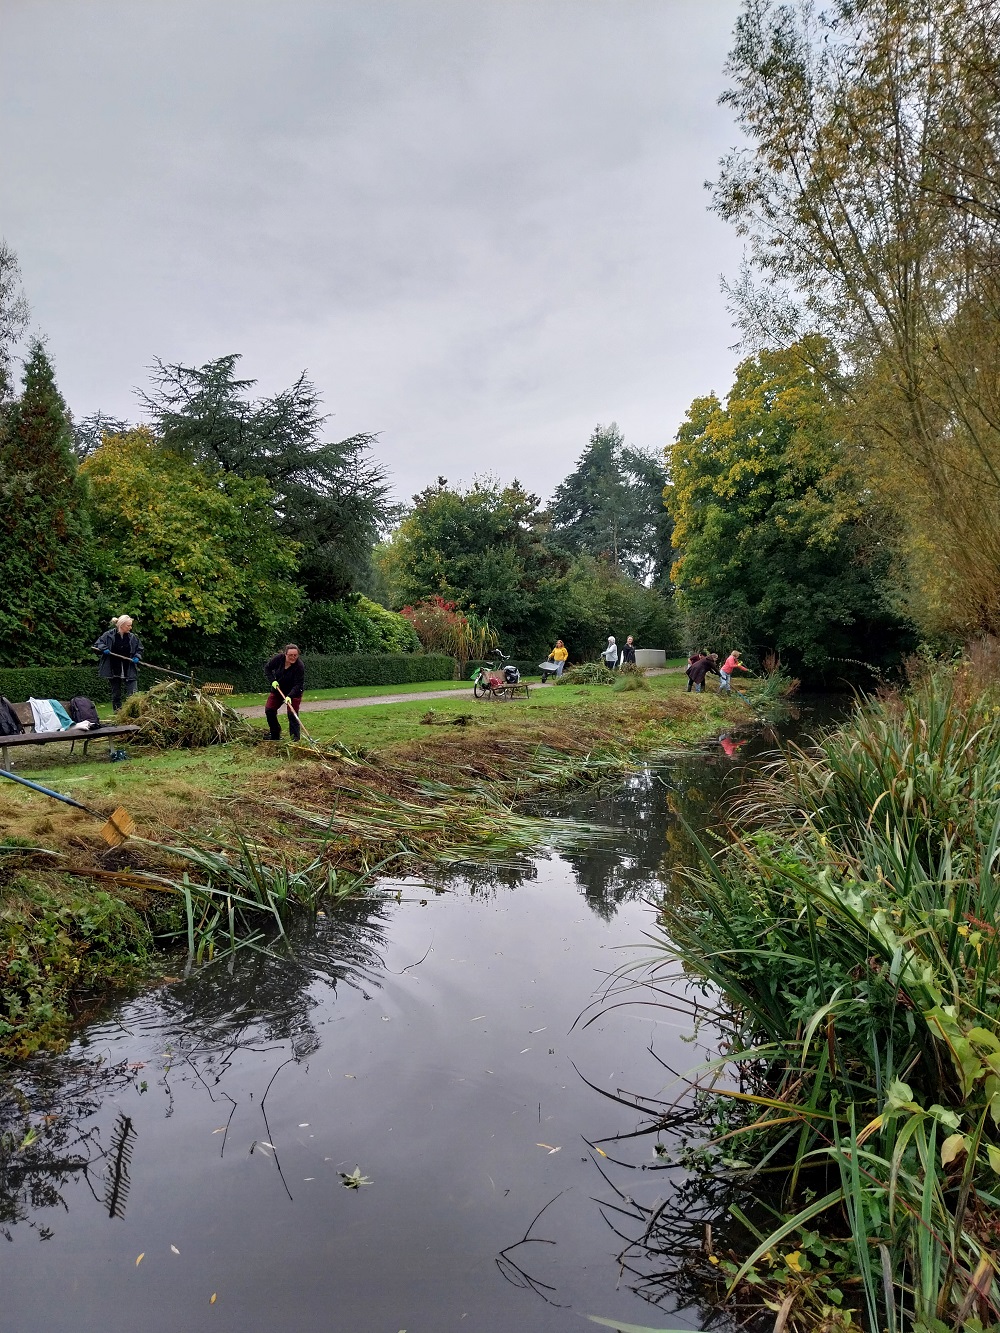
point(119, 824)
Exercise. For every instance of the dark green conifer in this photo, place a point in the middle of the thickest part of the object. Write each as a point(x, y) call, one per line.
point(46, 594)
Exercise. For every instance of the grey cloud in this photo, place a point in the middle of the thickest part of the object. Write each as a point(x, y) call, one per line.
point(479, 224)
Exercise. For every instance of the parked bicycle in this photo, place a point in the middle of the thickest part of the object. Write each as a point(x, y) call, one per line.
point(497, 679)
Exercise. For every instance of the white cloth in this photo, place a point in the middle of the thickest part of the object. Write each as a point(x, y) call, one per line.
point(44, 715)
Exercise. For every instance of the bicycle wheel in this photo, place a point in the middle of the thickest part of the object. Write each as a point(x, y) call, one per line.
point(479, 689)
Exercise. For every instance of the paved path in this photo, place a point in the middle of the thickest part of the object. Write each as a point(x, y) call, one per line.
point(321, 705)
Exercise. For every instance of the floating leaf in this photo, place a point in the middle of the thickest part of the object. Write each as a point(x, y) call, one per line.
point(212, 1299)
point(353, 1180)
point(140, 1259)
point(174, 1249)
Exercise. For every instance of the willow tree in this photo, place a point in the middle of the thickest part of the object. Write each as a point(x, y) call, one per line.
point(869, 193)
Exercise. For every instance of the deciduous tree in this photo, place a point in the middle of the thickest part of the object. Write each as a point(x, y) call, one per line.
point(869, 192)
point(778, 546)
point(189, 551)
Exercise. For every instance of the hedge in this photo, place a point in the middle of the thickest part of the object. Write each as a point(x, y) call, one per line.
point(335, 671)
point(323, 672)
point(21, 683)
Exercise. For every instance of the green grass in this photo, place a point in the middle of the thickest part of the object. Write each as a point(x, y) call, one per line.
point(852, 931)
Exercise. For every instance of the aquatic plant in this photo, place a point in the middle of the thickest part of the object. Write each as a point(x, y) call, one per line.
point(851, 929)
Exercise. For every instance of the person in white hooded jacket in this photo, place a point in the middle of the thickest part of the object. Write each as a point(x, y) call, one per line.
point(611, 653)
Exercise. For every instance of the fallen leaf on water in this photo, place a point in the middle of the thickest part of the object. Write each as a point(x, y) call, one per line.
point(304, 1125)
point(220, 1130)
point(477, 1018)
point(549, 1147)
point(140, 1259)
point(268, 1145)
point(175, 1249)
point(601, 1151)
point(354, 1179)
point(350, 1076)
point(533, 1031)
point(527, 1048)
point(213, 1297)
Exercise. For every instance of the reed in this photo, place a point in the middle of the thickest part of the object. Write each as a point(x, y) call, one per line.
point(851, 931)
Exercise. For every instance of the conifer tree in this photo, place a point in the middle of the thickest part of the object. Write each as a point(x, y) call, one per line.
point(46, 594)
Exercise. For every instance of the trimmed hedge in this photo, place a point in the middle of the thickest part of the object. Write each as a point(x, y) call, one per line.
point(335, 671)
point(21, 683)
point(323, 672)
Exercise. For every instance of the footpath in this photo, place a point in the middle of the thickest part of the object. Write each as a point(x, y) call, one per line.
point(321, 705)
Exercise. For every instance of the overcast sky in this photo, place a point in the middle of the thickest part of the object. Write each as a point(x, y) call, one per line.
point(478, 224)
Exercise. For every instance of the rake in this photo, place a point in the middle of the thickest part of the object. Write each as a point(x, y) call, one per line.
point(119, 824)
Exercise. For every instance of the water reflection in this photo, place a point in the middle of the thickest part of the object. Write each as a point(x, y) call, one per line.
point(431, 1043)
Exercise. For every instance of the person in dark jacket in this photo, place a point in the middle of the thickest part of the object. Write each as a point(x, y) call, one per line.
point(700, 669)
point(628, 653)
point(121, 652)
point(285, 673)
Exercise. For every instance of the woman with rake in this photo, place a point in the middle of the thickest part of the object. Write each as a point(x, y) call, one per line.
point(285, 672)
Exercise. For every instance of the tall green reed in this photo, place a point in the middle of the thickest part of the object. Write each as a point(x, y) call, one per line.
point(851, 928)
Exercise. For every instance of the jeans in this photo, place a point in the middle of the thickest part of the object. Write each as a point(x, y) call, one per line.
point(116, 684)
point(559, 668)
point(724, 678)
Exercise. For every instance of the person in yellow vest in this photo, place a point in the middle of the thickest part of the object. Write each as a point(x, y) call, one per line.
point(559, 654)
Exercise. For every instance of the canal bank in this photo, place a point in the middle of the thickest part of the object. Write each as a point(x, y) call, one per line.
point(428, 1044)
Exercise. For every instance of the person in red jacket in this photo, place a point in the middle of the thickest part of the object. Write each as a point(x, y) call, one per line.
point(731, 664)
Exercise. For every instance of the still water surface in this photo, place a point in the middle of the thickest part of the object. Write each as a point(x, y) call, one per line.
point(433, 1045)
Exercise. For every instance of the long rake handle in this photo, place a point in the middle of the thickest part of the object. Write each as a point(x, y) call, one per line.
point(149, 665)
point(298, 716)
point(47, 791)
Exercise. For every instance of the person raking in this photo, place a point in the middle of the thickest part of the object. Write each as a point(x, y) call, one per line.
point(121, 652)
point(731, 664)
point(285, 673)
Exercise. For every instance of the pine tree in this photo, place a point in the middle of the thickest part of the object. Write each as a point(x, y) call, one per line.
point(46, 593)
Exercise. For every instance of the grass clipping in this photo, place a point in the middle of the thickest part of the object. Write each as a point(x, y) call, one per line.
point(177, 716)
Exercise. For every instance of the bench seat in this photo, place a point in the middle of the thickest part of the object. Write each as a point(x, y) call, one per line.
point(71, 734)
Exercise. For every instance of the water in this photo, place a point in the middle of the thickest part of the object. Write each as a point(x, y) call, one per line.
point(435, 1044)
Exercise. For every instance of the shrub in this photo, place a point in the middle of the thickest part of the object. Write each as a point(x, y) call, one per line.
point(355, 626)
point(323, 672)
point(20, 683)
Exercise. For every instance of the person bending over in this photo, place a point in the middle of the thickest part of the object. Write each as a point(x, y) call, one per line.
point(731, 664)
point(285, 672)
point(121, 652)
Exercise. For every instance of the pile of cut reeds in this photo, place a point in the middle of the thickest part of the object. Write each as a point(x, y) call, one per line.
point(175, 715)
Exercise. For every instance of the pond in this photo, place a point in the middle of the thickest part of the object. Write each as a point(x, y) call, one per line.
point(194, 1151)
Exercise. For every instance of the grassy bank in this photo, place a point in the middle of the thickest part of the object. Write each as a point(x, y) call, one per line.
point(851, 933)
point(263, 825)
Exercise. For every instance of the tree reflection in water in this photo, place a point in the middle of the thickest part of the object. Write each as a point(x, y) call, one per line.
point(50, 1131)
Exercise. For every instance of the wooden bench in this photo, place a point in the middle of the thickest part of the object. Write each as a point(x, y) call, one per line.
point(71, 734)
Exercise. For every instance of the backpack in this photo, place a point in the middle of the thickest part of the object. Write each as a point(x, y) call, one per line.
point(9, 722)
point(82, 709)
point(511, 675)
